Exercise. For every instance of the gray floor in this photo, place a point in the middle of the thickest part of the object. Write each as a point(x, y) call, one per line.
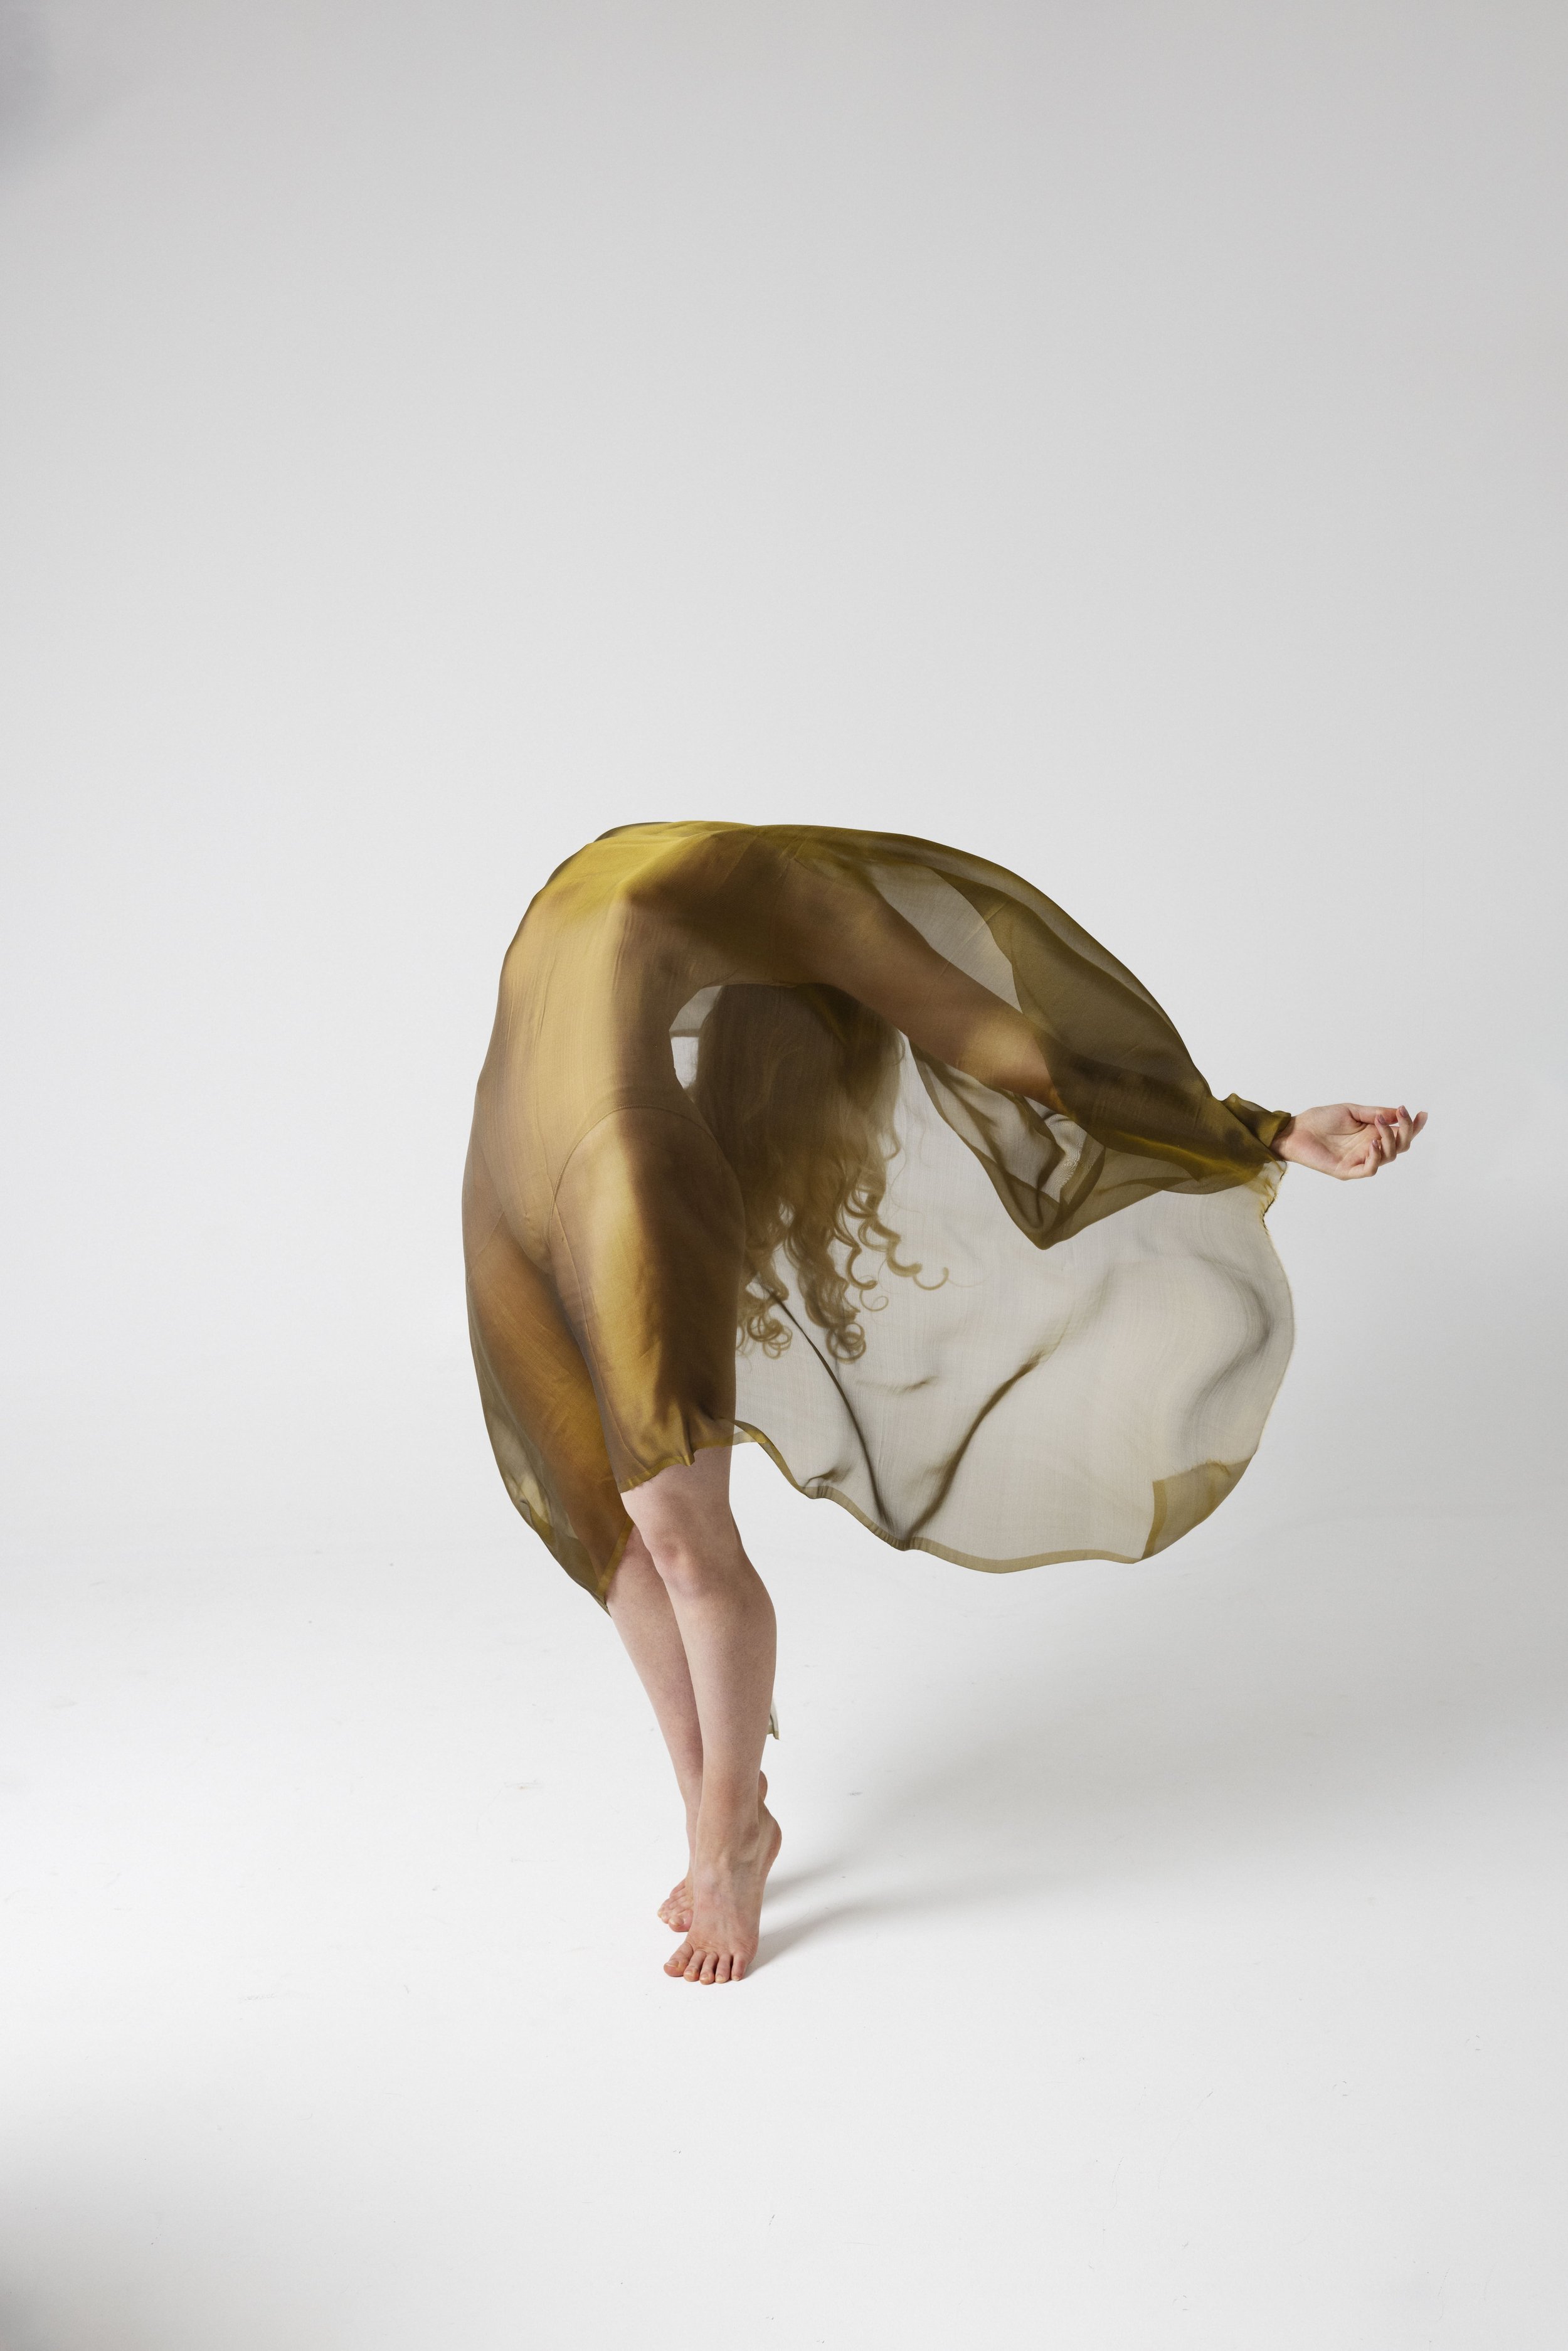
point(1167, 1955)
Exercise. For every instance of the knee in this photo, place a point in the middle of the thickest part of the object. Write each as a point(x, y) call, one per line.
point(694, 1571)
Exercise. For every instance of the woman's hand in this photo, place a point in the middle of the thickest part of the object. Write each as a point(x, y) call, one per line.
point(1347, 1139)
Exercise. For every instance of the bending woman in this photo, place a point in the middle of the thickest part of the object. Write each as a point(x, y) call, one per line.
point(857, 1147)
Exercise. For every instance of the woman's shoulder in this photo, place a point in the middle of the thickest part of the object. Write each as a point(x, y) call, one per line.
point(658, 868)
point(623, 862)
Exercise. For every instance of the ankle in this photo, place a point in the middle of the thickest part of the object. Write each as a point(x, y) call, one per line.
point(733, 1836)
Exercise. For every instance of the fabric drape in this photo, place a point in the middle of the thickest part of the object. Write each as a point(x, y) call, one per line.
point(1083, 1366)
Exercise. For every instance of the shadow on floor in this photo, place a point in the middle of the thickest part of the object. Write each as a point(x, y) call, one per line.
point(1168, 1723)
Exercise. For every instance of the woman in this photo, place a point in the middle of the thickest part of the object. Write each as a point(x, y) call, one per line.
point(858, 1147)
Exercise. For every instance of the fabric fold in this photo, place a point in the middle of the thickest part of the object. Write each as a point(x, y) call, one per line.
point(1074, 1346)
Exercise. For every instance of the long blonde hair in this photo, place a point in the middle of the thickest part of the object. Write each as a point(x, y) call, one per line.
point(796, 1086)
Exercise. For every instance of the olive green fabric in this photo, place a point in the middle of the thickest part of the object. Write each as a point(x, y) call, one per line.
point(1085, 1363)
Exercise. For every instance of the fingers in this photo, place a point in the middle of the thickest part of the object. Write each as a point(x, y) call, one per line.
point(1385, 1133)
point(1403, 1127)
point(1367, 1153)
point(1398, 1130)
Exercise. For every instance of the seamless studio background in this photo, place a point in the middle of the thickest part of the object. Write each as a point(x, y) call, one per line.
point(1128, 441)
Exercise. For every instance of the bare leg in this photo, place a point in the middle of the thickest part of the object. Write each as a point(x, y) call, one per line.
point(645, 1621)
point(725, 1620)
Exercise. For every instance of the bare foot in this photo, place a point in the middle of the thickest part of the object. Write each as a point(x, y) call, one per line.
point(676, 1909)
point(722, 1942)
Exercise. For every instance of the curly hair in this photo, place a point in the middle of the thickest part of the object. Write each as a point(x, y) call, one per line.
point(796, 1086)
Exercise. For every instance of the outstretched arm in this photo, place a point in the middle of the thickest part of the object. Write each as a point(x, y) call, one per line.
point(1347, 1139)
point(852, 939)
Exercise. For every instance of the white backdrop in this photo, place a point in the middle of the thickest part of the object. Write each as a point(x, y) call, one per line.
point(1126, 440)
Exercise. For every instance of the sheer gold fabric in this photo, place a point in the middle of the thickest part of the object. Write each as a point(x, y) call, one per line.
point(1084, 1366)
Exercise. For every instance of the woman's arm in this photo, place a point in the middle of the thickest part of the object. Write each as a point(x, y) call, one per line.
point(1347, 1139)
point(851, 938)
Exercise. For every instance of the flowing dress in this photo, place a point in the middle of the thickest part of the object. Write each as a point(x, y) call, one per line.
point(1084, 1367)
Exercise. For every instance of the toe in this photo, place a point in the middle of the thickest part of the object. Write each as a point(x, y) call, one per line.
point(681, 1962)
